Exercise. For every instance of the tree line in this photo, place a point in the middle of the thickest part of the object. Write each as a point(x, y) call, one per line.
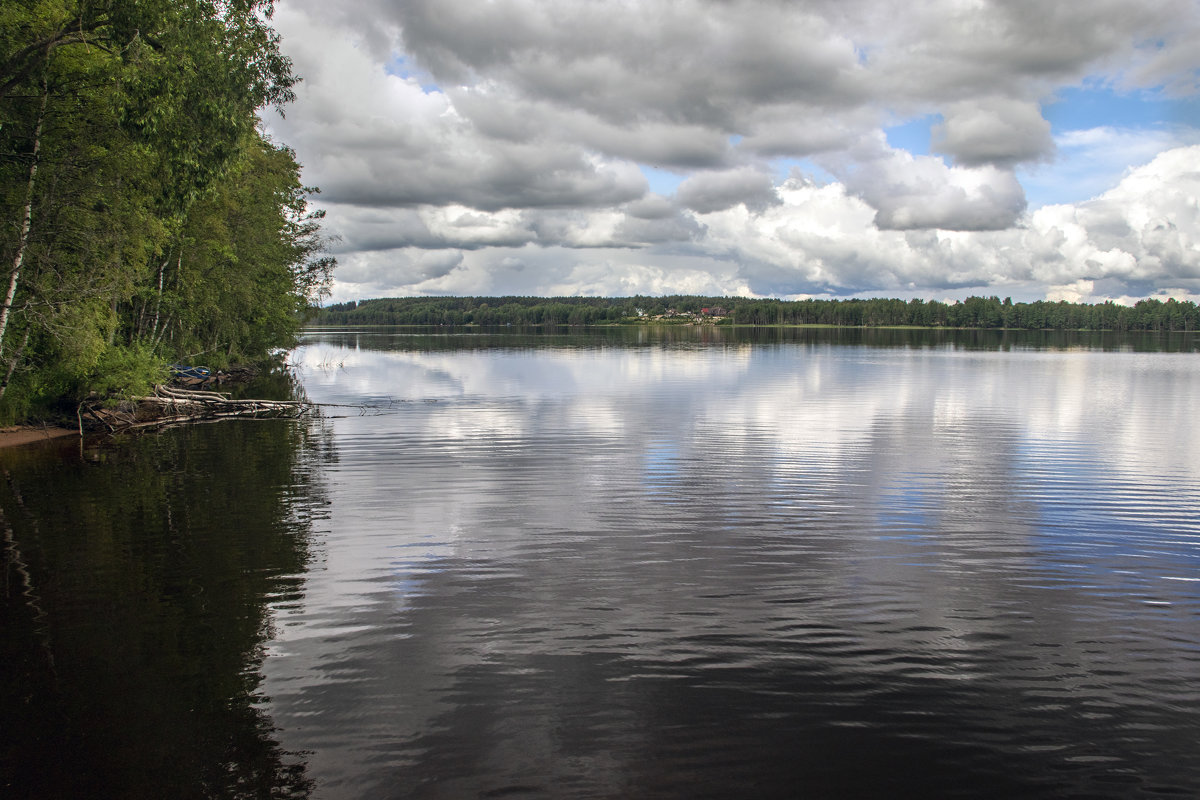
point(147, 217)
point(973, 312)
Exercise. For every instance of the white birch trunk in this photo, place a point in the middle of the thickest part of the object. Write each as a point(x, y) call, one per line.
point(26, 222)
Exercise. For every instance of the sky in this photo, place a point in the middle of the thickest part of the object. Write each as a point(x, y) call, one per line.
point(936, 149)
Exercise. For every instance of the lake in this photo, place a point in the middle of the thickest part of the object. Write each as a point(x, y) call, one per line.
point(633, 562)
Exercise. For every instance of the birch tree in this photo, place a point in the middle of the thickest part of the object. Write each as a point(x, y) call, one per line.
point(117, 118)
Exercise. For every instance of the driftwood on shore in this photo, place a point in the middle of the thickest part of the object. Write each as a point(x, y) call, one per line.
point(168, 406)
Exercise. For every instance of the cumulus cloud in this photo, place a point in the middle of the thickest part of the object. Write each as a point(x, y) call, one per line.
point(1139, 238)
point(1091, 161)
point(371, 138)
point(1145, 228)
point(678, 228)
point(486, 134)
point(910, 192)
point(706, 192)
point(1144, 232)
point(687, 62)
point(376, 273)
point(996, 131)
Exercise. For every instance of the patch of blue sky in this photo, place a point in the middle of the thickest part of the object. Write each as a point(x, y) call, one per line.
point(1101, 134)
point(915, 135)
point(1095, 106)
point(661, 181)
point(399, 66)
point(1087, 166)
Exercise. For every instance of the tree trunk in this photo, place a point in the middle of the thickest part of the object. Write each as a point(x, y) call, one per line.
point(167, 320)
point(12, 364)
point(162, 268)
point(27, 221)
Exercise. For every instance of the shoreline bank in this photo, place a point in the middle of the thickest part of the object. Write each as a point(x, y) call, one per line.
point(16, 435)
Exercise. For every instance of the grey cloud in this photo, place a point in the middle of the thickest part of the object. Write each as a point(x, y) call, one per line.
point(1058, 40)
point(578, 229)
point(503, 176)
point(652, 206)
point(805, 130)
point(1107, 225)
point(910, 192)
point(716, 191)
point(542, 109)
point(399, 266)
point(381, 229)
point(1168, 245)
point(996, 130)
point(677, 228)
point(727, 65)
point(371, 139)
point(945, 51)
point(668, 83)
point(369, 230)
point(665, 146)
point(511, 117)
point(568, 228)
point(655, 219)
point(437, 264)
point(686, 62)
point(951, 207)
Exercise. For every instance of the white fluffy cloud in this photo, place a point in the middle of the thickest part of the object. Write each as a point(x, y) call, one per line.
point(469, 146)
point(1146, 230)
point(1143, 233)
point(921, 192)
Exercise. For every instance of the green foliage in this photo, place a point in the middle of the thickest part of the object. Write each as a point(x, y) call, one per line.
point(162, 223)
point(974, 312)
point(54, 389)
point(124, 372)
point(243, 266)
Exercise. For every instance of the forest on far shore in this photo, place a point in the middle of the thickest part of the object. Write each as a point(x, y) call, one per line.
point(974, 312)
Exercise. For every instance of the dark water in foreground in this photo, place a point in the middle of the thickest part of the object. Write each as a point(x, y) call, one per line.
point(635, 564)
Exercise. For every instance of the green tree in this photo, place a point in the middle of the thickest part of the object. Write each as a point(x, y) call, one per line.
point(244, 265)
point(126, 126)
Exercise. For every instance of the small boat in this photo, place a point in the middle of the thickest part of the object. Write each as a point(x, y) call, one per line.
point(191, 376)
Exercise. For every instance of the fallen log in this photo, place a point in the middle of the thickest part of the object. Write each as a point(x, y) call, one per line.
point(173, 406)
point(191, 394)
point(170, 406)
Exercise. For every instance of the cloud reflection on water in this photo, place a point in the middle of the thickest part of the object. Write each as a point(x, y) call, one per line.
point(538, 544)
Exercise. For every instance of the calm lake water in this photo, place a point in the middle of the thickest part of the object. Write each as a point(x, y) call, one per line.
point(626, 563)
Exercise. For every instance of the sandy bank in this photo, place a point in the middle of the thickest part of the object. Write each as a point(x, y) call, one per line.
point(19, 434)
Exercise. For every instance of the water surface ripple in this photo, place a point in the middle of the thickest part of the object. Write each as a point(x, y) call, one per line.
point(717, 569)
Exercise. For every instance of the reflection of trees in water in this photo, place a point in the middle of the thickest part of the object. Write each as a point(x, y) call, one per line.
point(134, 609)
point(450, 338)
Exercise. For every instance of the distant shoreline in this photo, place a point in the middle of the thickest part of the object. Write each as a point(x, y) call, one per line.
point(635, 323)
point(974, 313)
